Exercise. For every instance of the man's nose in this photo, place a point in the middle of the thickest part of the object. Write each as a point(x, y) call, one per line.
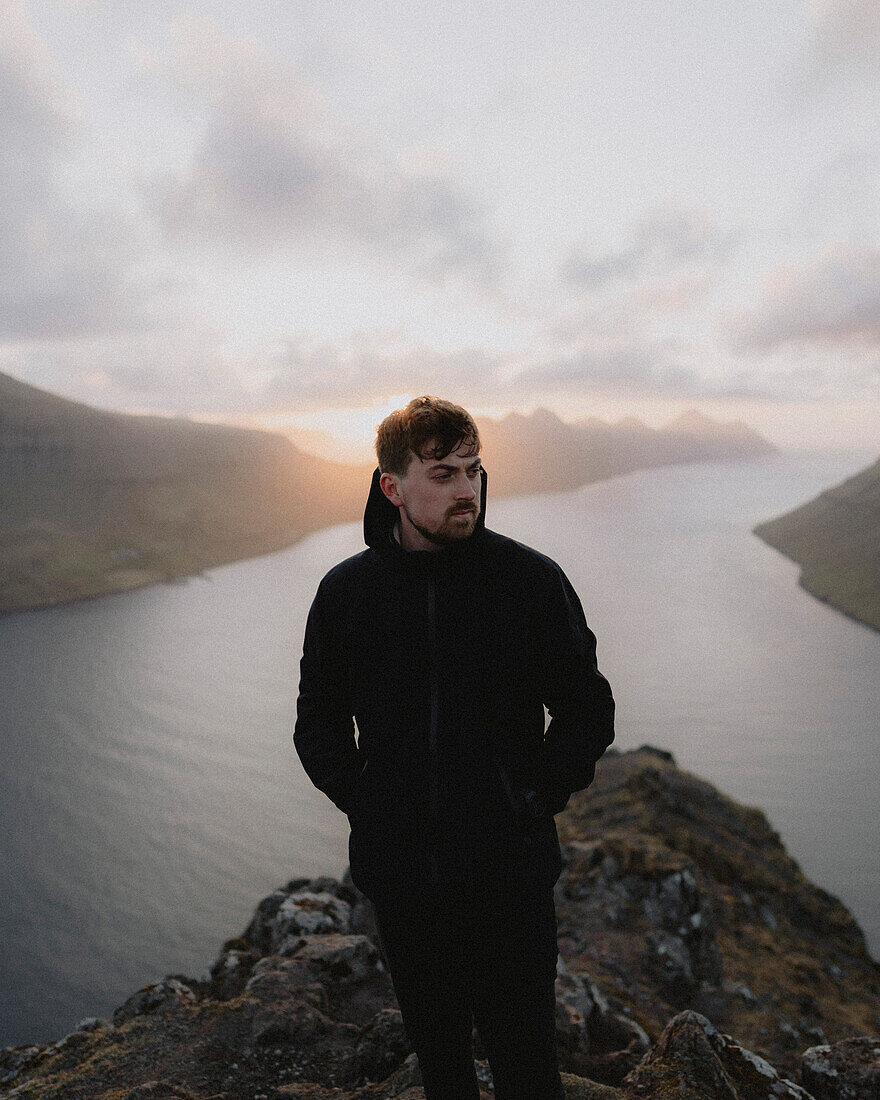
point(464, 488)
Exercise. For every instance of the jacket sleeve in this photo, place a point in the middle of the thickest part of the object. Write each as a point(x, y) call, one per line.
point(324, 732)
point(577, 696)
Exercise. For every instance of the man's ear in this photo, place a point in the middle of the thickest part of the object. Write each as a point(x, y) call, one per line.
point(388, 485)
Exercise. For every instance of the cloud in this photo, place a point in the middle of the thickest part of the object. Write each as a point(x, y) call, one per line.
point(666, 241)
point(183, 370)
point(308, 374)
point(835, 299)
point(203, 376)
point(278, 170)
point(63, 271)
point(847, 30)
point(623, 367)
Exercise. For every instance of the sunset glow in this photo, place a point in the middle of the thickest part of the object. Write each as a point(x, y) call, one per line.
point(286, 215)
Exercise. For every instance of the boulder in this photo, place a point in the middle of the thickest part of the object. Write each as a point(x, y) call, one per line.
point(692, 1060)
point(591, 1038)
point(338, 974)
point(682, 952)
point(308, 912)
point(381, 1048)
point(324, 905)
point(848, 1070)
point(169, 995)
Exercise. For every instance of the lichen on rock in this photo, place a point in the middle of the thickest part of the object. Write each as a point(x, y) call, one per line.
point(666, 951)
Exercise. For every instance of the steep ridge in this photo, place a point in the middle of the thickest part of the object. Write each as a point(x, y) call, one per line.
point(835, 539)
point(93, 502)
point(696, 961)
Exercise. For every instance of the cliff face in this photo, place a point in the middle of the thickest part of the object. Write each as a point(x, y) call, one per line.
point(836, 541)
point(682, 922)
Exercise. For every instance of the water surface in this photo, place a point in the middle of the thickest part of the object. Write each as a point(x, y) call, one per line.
point(151, 795)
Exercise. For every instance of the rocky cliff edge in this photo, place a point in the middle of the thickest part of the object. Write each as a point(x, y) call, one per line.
point(696, 962)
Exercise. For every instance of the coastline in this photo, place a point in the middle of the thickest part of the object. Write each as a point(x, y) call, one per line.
point(98, 574)
point(835, 540)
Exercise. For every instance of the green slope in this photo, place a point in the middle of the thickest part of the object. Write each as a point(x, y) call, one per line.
point(94, 502)
point(836, 541)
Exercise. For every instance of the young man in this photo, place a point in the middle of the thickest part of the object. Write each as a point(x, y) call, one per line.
point(444, 641)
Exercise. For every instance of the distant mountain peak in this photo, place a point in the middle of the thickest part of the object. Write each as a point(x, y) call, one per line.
point(693, 420)
point(538, 418)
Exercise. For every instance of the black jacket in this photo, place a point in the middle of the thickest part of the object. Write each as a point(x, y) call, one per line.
point(445, 659)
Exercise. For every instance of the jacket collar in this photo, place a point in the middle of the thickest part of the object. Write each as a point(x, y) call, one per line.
point(380, 515)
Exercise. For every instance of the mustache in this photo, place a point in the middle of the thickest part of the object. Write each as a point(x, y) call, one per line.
point(463, 509)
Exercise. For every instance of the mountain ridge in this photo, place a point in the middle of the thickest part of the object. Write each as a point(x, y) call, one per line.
point(94, 502)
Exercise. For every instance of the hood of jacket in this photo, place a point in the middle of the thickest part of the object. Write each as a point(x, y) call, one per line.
point(380, 516)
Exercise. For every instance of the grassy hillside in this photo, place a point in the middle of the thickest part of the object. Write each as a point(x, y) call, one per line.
point(94, 502)
point(836, 541)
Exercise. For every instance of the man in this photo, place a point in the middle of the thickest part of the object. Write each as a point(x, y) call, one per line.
point(444, 640)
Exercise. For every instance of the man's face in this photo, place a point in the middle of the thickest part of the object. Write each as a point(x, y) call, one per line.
point(439, 499)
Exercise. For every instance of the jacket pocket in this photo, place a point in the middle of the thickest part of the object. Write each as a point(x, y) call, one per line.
point(524, 800)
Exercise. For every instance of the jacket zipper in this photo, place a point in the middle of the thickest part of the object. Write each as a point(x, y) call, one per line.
point(433, 779)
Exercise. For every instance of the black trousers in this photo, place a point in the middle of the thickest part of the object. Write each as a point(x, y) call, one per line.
point(458, 959)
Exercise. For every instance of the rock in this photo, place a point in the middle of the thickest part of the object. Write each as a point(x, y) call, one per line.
point(575, 1006)
point(668, 960)
point(669, 888)
point(258, 934)
point(325, 907)
point(166, 996)
point(229, 972)
point(484, 1075)
point(408, 1077)
point(14, 1059)
point(661, 754)
point(848, 1070)
point(382, 1047)
point(300, 1025)
point(741, 990)
point(300, 1005)
point(307, 913)
point(334, 973)
point(692, 1060)
point(593, 1040)
point(91, 1023)
point(682, 953)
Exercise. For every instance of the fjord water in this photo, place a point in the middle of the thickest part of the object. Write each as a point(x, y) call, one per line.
point(150, 793)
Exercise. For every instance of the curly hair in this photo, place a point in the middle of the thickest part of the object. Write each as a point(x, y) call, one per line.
point(425, 420)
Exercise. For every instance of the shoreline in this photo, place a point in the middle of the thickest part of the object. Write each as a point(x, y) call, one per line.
point(60, 597)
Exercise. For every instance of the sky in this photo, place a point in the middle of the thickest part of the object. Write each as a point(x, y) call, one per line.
point(300, 214)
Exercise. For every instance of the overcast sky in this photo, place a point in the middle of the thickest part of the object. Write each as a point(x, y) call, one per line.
point(300, 212)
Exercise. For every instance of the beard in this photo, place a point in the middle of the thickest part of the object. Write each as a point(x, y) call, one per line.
point(450, 530)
